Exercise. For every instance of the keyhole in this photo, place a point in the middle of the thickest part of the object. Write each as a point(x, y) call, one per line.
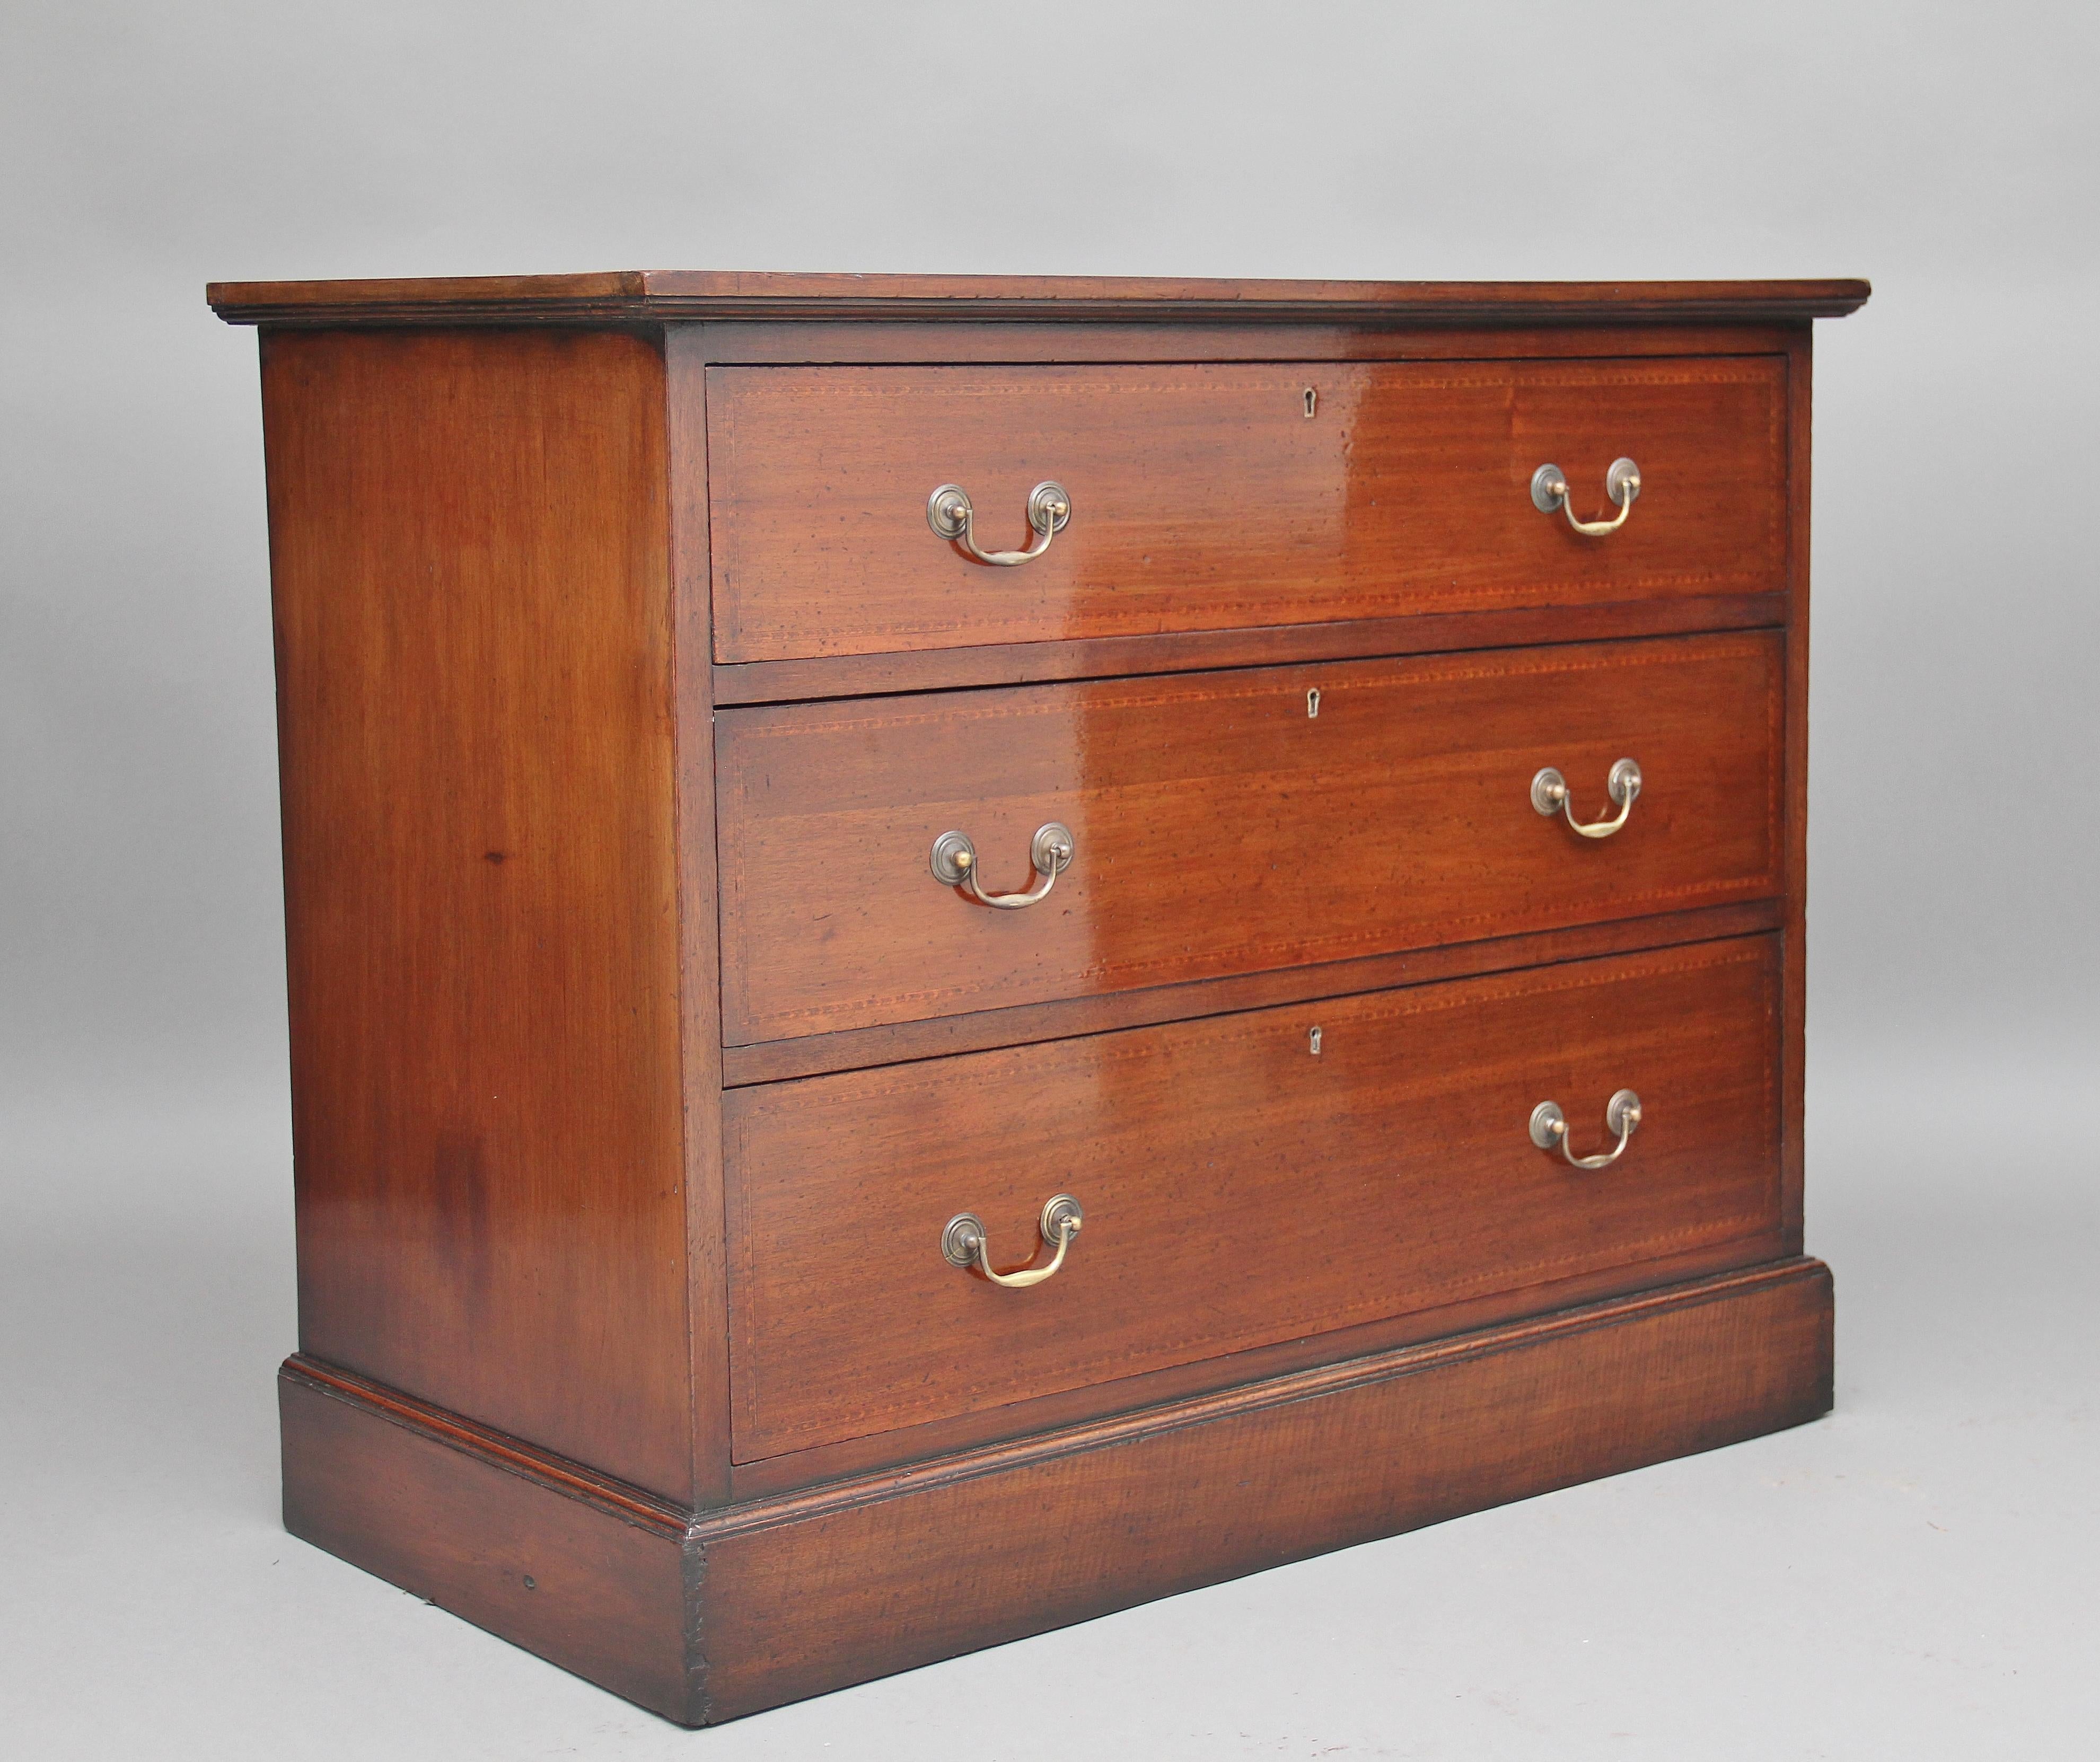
point(1313, 1041)
point(1313, 703)
point(1312, 401)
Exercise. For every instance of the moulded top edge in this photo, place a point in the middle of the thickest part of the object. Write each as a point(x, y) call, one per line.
point(663, 296)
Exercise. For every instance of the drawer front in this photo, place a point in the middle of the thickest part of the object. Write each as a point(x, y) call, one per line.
point(1204, 498)
point(1239, 1190)
point(1220, 828)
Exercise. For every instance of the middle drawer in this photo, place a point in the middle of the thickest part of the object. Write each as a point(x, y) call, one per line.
point(1230, 822)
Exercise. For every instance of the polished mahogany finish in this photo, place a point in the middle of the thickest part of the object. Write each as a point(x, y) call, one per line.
point(1240, 1188)
point(1205, 497)
point(570, 1566)
point(920, 1565)
point(729, 1612)
point(640, 1060)
point(872, 675)
point(661, 296)
point(1019, 1025)
point(1251, 334)
point(1223, 829)
point(1793, 1037)
point(472, 602)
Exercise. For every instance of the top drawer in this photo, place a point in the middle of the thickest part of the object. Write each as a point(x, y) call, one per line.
point(1205, 498)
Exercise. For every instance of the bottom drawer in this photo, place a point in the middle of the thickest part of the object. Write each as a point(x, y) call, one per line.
point(1241, 1189)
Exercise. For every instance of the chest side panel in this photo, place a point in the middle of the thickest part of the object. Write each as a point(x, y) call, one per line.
point(468, 541)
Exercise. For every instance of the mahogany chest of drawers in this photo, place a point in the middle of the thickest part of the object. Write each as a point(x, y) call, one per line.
point(963, 951)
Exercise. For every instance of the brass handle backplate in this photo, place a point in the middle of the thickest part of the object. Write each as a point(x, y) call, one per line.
point(1549, 795)
point(953, 862)
point(963, 1243)
point(1549, 1128)
point(1622, 483)
point(949, 513)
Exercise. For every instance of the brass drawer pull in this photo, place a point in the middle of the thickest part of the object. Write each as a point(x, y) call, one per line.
point(954, 862)
point(949, 513)
point(1549, 1128)
point(1549, 796)
point(963, 1243)
point(1549, 491)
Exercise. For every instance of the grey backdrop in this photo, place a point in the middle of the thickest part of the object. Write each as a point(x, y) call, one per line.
point(1905, 1578)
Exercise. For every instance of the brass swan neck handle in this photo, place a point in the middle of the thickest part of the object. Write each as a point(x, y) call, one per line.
point(1549, 795)
point(949, 514)
point(953, 862)
point(1549, 1128)
point(1622, 483)
point(964, 1243)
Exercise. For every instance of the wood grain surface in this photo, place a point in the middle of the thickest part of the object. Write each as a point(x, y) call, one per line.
point(468, 550)
point(979, 1030)
point(659, 296)
point(639, 1060)
point(1220, 829)
point(1204, 499)
point(1017, 663)
point(807, 1595)
point(873, 341)
point(705, 1338)
point(964, 1435)
point(587, 1582)
point(1240, 1189)
point(1793, 1045)
point(769, 1601)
